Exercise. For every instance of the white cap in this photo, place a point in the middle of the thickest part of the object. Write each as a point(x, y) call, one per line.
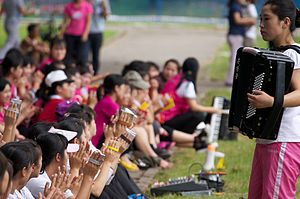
point(56, 76)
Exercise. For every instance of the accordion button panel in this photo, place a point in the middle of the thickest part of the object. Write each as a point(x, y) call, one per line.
point(258, 81)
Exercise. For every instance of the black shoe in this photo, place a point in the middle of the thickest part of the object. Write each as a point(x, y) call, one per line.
point(163, 153)
point(200, 141)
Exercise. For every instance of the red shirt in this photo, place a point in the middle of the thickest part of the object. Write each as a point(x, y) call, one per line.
point(48, 114)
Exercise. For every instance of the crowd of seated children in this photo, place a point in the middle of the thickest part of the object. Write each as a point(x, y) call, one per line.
point(76, 134)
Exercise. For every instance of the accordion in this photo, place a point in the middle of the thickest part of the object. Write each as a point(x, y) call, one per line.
point(259, 69)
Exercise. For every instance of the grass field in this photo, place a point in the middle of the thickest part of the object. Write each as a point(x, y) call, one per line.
point(238, 154)
point(238, 157)
point(218, 68)
point(108, 34)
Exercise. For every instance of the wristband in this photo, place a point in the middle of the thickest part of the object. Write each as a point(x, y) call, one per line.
point(113, 149)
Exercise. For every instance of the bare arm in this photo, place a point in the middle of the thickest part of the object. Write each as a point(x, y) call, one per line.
point(194, 106)
point(292, 99)
point(26, 12)
point(87, 28)
point(101, 179)
point(64, 25)
point(239, 20)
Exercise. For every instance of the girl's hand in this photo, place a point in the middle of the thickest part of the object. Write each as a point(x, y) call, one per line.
point(10, 118)
point(93, 165)
point(112, 152)
point(77, 157)
point(76, 183)
point(123, 145)
point(1, 140)
point(63, 181)
point(84, 37)
point(108, 131)
point(260, 99)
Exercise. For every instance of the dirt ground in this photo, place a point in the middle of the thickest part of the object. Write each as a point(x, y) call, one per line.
point(159, 42)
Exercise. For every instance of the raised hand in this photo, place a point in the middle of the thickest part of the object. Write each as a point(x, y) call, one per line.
point(108, 131)
point(61, 179)
point(112, 152)
point(123, 145)
point(77, 157)
point(76, 183)
point(10, 118)
point(92, 166)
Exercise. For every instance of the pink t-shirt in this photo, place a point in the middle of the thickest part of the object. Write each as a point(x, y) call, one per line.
point(104, 109)
point(2, 113)
point(78, 17)
point(44, 63)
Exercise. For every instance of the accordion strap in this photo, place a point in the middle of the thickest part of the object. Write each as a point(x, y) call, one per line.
point(284, 48)
point(278, 99)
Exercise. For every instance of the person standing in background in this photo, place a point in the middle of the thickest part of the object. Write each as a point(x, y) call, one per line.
point(249, 10)
point(236, 33)
point(101, 12)
point(14, 10)
point(75, 30)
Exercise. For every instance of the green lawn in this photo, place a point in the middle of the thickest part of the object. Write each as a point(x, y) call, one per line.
point(238, 157)
point(238, 154)
point(108, 34)
point(218, 68)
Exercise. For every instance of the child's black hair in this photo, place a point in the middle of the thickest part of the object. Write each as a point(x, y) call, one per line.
point(284, 9)
point(12, 59)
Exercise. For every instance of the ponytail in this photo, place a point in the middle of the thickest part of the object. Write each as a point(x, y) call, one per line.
point(297, 21)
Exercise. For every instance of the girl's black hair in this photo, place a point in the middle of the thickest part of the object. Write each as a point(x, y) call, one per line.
point(111, 81)
point(37, 129)
point(139, 66)
point(83, 112)
point(56, 41)
point(10, 171)
point(3, 83)
point(152, 64)
point(83, 68)
point(71, 124)
point(35, 149)
point(190, 69)
point(284, 9)
point(19, 154)
point(31, 27)
point(3, 165)
point(26, 60)
point(51, 144)
point(12, 59)
point(71, 71)
point(175, 61)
